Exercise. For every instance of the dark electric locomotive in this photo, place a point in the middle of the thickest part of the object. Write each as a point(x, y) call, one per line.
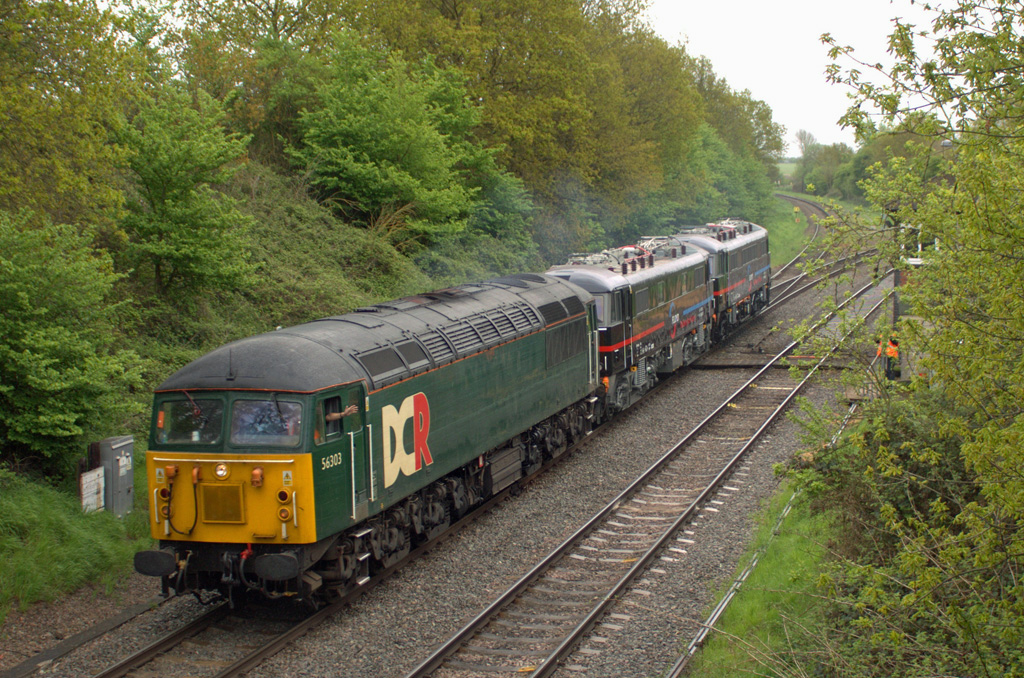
point(654, 311)
point(663, 302)
point(295, 462)
point(740, 269)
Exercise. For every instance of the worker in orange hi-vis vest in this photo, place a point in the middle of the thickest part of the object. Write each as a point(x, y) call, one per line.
point(892, 353)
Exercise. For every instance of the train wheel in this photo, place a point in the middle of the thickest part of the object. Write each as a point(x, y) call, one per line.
point(436, 518)
point(621, 394)
point(556, 441)
point(395, 544)
point(577, 423)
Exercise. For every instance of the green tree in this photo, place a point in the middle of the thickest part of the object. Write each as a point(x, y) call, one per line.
point(259, 59)
point(390, 143)
point(527, 65)
point(183, 233)
point(824, 170)
point(742, 122)
point(63, 377)
point(65, 78)
point(729, 185)
point(646, 118)
point(949, 599)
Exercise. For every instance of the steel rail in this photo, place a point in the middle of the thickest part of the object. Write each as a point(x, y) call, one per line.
point(677, 669)
point(549, 664)
point(171, 640)
point(68, 645)
point(835, 268)
point(817, 229)
point(282, 640)
point(705, 630)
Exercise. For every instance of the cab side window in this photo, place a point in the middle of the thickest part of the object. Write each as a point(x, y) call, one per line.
point(332, 425)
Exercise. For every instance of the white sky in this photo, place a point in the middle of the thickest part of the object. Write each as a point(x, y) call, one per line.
point(773, 48)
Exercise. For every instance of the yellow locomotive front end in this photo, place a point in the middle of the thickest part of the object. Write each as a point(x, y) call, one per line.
point(229, 498)
point(231, 492)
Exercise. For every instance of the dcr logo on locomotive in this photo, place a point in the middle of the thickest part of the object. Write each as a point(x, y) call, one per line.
point(396, 457)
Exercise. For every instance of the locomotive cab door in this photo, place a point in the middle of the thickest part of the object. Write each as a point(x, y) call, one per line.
point(357, 429)
point(356, 440)
point(615, 331)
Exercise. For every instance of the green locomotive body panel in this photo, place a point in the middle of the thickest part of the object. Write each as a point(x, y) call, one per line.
point(422, 428)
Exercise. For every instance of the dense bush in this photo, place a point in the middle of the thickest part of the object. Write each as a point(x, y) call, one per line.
point(64, 373)
point(930, 581)
point(922, 578)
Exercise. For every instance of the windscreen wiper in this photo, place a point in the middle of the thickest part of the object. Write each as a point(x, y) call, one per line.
point(197, 412)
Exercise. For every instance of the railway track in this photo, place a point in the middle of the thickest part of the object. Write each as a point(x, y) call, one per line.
point(541, 619)
point(221, 642)
point(192, 641)
point(697, 642)
point(737, 353)
point(812, 210)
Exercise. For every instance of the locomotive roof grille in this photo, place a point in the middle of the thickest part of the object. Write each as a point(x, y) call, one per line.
point(438, 346)
point(485, 329)
point(463, 337)
point(488, 331)
point(553, 312)
point(523, 318)
point(573, 305)
point(503, 324)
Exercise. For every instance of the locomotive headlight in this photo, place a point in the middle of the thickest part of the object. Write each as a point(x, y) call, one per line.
point(221, 471)
point(284, 496)
point(284, 513)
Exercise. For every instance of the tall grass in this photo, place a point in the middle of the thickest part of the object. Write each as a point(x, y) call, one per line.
point(786, 235)
point(49, 546)
point(759, 634)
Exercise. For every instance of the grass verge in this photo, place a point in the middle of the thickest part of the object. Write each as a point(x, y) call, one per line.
point(49, 546)
point(786, 235)
point(761, 631)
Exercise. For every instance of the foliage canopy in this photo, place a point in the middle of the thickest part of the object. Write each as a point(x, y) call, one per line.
point(930, 582)
point(209, 170)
